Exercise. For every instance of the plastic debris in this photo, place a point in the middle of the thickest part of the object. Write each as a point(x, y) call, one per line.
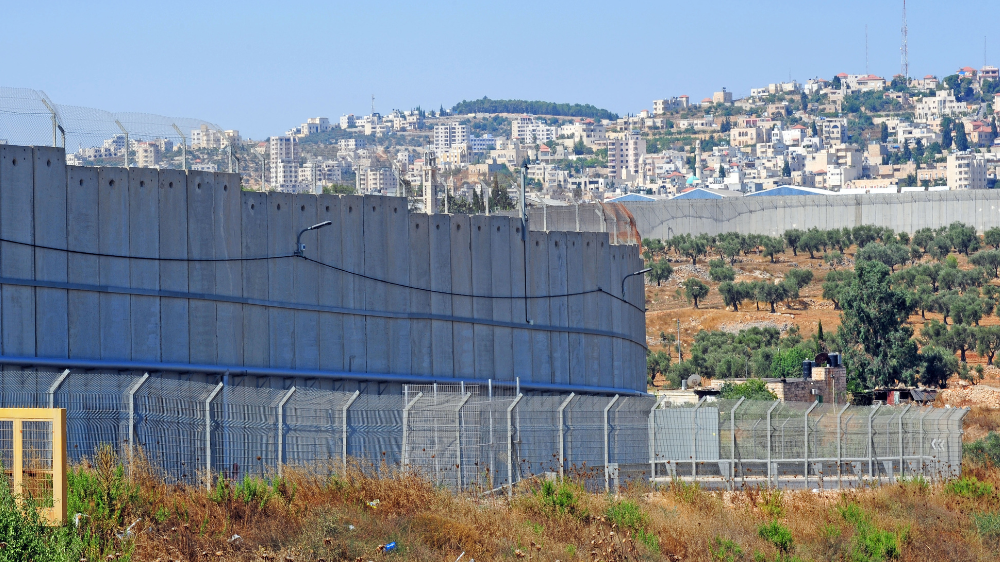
point(234, 538)
point(77, 517)
point(350, 527)
point(127, 533)
point(373, 504)
point(385, 548)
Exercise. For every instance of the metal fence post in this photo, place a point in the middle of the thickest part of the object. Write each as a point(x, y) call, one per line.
point(55, 386)
point(805, 443)
point(510, 445)
point(281, 424)
point(732, 441)
point(406, 424)
point(652, 436)
point(770, 478)
point(871, 442)
point(562, 428)
point(901, 414)
point(131, 409)
point(208, 434)
point(922, 416)
point(607, 477)
point(840, 472)
point(694, 438)
point(343, 433)
point(458, 436)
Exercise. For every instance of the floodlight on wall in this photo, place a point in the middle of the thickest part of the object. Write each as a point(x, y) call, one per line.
point(640, 272)
point(300, 248)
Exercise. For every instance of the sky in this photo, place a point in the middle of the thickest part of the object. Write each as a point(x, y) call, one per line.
point(264, 67)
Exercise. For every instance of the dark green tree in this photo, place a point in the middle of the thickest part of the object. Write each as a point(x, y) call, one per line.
point(786, 169)
point(877, 345)
point(695, 290)
point(883, 133)
point(792, 237)
point(961, 141)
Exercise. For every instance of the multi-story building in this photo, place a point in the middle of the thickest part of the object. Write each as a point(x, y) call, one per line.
point(347, 121)
point(313, 175)
point(746, 136)
point(480, 145)
point(723, 97)
point(376, 180)
point(669, 104)
point(833, 131)
point(314, 125)
point(530, 130)
point(909, 133)
point(204, 137)
point(449, 135)
point(284, 168)
point(147, 154)
point(932, 108)
point(592, 134)
point(966, 171)
point(350, 145)
point(625, 152)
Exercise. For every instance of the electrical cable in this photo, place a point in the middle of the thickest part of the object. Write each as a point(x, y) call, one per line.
point(598, 290)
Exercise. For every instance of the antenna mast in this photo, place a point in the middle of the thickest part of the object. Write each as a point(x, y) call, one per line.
point(903, 50)
point(866, 49)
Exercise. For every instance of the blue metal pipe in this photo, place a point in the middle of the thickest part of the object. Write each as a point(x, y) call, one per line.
point(155, 366)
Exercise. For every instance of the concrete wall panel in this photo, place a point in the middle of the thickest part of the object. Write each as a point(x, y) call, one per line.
point(201, 274)
point(501, 235)
point(256, 334)
point(482, 284)
point(461, 284)
point(398, 271)
point(113, 228)
point(305, 283)
point(522, 360)
point(17, 303)
point(442, 343)
point(144, 241)
point(538, 306)
point(421, 360)
point(330, 286)
point(376, 249)
point(228, 241)
point(353, 253)
point(558, 306)
point(49, 222)
point(83, 307)
point(576, 277)
point(173, 244)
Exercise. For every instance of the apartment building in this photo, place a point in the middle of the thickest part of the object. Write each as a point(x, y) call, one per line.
point(284, 168)
point(625, 152)
point(932, 108)
point(592, 134)
point(966, 171)
point(314, 125)
point(348, 121)
point(315, 175)
point(531, 130)
point(833, 131)
point(482, 144)
point(204, 137)
point(449, 135)
point(376, 180)
point(746, 136)
point(909, 133)
point(670, 104)
point(147, 154)
point(350, 145)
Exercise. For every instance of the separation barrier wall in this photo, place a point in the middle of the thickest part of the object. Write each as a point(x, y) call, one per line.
point(162, 270)
point(903, 212)
point(482, 438)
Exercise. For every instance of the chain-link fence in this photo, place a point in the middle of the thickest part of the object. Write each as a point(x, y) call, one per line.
point(95, 137)
point(798, 444)
point(468, 437)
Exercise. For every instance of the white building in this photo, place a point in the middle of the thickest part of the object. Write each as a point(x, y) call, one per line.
point(347, 121)
point(932, 108)
point(625, 152)
point(350, 145)
point(531, 130)
point(592, 134)
point(147, 154)
point(966, 171)
point(284, 168)
point(204, 137)
point(376, 180)
point(449, 135)
point(480, 145)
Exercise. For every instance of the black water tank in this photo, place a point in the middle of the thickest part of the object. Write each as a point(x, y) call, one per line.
point(834, 359)
point(807, 369)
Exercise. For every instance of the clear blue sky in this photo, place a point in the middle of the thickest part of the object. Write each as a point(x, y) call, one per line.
point(263, 67)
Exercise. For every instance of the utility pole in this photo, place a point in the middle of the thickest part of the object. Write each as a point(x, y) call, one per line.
point(680, 357)
point(184, 145)
point(866, 49)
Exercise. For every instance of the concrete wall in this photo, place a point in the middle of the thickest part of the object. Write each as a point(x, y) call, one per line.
point(773, 215)
point(396, 293)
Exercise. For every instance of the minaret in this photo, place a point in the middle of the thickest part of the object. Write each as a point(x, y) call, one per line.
point(697, 160)
point(427, 178)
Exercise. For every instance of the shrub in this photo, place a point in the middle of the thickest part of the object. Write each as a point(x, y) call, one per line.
point(985, 450)
point(969, 487)
point(627, 514)
point(869, 542)
point(559, 498)
point(752, 389)
point(725, 550)
point(778, 535)
point(24, 534)
point(988, 526)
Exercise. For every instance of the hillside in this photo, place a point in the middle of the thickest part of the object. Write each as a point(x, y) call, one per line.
point(486, 105)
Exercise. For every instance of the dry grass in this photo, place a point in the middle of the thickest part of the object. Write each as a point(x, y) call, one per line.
point(309, 516)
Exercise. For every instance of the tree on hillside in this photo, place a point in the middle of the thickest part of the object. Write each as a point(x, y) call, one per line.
point(733, 294)
point(792, 237)
point(988, 342)
point(771, 293)
point(660, 270)
point(772, 246)
point(961, 141)
point(883, 133)
point(786, 169)
point(695, 290)
point(752, 389)
point(877, 345)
